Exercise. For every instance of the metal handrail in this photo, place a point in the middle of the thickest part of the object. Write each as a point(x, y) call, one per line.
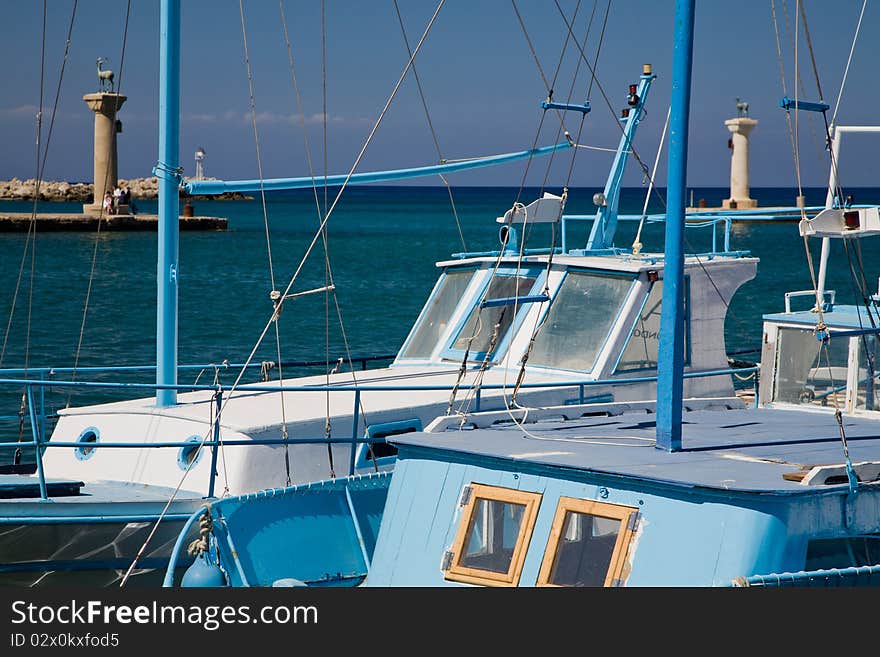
point(38, 425)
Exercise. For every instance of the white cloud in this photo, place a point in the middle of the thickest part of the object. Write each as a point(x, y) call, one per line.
point(271, 118)
point(21, 110)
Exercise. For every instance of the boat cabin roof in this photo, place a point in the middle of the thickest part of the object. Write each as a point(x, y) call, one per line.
point(627, 263)
point(747, 450)
point(841, 316)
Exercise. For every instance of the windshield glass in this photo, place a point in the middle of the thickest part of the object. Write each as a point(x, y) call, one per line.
point(477, 331)
point(435, 318)
point(579, 320)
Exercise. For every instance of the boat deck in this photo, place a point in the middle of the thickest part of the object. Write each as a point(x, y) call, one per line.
point(758, 450)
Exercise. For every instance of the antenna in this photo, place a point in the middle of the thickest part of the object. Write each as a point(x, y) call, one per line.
point(200, 167)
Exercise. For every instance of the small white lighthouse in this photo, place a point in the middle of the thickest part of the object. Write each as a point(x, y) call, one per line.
point(740, 127)
point(200, 166)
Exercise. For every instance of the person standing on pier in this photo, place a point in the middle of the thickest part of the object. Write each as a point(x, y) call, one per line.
point(108, 203)
point(117, 199)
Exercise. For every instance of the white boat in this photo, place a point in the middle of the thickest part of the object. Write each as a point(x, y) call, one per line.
point(568, 324)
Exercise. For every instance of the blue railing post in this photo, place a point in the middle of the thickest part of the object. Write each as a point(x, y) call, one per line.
point(213, 473)
point(354, 430)
point(35, 431)
point(169, 207)
point(670, 365)
point(42, 416)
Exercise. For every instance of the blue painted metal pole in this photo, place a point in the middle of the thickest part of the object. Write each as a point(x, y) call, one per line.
point(605, 226)
point(670, 367)
point(279, 184)
point(169, 210)
point(213, 475)
point(38, 452)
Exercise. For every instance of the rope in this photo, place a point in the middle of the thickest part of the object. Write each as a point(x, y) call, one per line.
point(629, 144)
point(848, 61)
point(328, 428)
point(637, 244)
point(199, 546)
point(32, 227)
point(287, 290)
point(431, 125)
point(82, 328)
point(570, 88)
point(247, 61)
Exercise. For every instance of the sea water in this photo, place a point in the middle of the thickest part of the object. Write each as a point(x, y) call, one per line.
point(91, 299)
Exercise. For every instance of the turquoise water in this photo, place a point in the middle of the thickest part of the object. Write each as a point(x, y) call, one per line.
point(384, 243)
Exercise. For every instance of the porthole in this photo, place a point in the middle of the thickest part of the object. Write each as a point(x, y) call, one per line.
point(88, 436)
point(189, 455)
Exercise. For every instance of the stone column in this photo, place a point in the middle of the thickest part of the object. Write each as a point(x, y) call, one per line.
point(739, 163)
point(106, 107)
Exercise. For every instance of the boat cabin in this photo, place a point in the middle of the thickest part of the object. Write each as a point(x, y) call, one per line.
point(595, 321)
point(578, 496)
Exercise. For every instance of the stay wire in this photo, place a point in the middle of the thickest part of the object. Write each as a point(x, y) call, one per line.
point(41, 163)
point(571, 86)
point(328, 428)
point(440, 157)
point(93, 266)
point(218, 416)
point(32, 230)
point(263, 205)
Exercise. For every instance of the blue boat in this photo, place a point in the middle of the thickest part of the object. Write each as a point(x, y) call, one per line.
point(565, 324)
point(671, 492)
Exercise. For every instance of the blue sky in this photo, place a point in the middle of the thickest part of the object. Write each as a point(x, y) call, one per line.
point(481, 83)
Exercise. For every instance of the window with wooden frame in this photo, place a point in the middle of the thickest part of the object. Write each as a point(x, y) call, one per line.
point(493, 535)
point(588, 544)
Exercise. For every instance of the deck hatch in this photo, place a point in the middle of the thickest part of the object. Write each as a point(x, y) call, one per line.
point(493, 535)
point(588, 544)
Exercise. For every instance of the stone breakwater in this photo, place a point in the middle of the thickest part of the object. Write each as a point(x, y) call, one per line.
point(141, 188)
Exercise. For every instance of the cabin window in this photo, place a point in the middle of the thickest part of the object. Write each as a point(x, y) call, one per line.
point(87, 437)
point(493, 537)
point(580, 318)
point(805, 374)
point(868, 387)
point(641, 351)
point(845, 552)
point(588, 544)
point(438, 311)
point(476, 333)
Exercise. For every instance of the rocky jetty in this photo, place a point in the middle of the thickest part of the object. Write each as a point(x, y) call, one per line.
point(141, 188)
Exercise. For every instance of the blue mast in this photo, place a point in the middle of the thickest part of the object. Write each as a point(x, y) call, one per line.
point(169, 210)
point(605, 225)
point(670, 367)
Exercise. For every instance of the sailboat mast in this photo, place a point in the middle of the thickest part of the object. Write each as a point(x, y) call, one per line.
point(169, 211)
point(670, 367)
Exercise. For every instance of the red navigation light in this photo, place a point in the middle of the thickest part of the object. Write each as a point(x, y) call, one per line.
point(624, 112)
point(653, 275)
point(851, 219)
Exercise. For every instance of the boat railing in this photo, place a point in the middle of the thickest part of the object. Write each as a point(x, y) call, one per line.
point(827, 305)
point(39, 443)
point(712, 223)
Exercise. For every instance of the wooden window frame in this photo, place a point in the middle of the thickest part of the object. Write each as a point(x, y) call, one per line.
point(600, 509)
point(531, 501)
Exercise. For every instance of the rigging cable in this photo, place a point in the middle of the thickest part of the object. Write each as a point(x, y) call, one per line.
point(440, 157)
point(40, 164)
point(328, 269)
point(539, 320)
point(328, 428)
point(94, 262)
point(218, 416)
point(277, 317)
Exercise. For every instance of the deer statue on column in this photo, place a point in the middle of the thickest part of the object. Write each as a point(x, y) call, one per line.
point(104, 77)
